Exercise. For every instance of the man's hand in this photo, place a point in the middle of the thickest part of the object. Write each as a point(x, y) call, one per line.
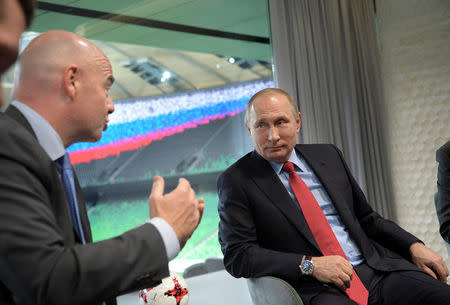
point(428, 260)
point(333, 269)
point(179, 208)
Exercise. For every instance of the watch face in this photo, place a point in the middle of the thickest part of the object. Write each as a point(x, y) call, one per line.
point(307, 267)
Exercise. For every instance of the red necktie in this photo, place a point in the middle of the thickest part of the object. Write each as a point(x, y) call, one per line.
point(321, 230)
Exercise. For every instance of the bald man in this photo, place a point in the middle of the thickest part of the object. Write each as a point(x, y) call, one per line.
point(15, 17)
point(61, 97)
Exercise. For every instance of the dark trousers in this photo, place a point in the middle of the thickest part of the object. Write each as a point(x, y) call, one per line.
point(391, 288)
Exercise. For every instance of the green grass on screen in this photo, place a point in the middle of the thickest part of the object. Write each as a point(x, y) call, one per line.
point(111, 219)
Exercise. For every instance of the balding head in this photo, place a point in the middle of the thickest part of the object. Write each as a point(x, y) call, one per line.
point(43, 61)
point(65, 78)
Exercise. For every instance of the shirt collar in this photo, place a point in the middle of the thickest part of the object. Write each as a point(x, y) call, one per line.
point(46, 135)
point(277, 166)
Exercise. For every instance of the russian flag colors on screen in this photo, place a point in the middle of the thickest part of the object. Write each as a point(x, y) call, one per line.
point(138, 122)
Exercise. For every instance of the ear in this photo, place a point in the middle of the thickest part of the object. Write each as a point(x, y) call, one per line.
point(299, 122)
point(70, 81)
point(248, 129)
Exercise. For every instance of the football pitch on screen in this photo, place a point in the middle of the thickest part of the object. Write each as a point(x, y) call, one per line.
point(111, 219)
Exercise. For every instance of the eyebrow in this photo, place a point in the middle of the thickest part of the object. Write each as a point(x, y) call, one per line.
point(259, 121)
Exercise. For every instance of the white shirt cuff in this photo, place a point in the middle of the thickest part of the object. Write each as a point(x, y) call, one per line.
point(168, 235)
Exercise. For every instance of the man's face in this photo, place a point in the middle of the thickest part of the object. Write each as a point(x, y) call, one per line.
point(12, 24)
point(273, 126)
point(95, 104)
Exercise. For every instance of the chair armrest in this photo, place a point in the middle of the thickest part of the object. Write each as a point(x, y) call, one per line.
point(269, 290)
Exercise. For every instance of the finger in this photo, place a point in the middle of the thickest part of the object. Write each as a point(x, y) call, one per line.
point(346, 280)
point(183, 183)
point(201, 208)
point(429, 271)
point(157, 188)
point(347, 268)
point(445, 269)
point(201, 200)
point(340, 284)
point(441, 272)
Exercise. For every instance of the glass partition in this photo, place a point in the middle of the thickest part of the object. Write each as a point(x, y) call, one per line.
point(184, 72)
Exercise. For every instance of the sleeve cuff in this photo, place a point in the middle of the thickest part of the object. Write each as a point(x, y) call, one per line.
point(168, 236)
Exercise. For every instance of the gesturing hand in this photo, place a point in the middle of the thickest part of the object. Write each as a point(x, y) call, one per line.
point(179, 208)
point(333, 269)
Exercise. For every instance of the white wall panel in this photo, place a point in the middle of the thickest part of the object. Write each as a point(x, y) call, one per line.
point(415, 58)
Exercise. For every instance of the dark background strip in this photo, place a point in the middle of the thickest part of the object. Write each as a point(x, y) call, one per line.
point(82, 12)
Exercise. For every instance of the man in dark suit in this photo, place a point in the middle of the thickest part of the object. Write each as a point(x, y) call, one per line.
point(264, 231)
point(61, 97)
point(15, 16)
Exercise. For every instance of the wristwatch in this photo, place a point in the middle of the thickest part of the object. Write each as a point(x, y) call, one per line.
point(307, 266)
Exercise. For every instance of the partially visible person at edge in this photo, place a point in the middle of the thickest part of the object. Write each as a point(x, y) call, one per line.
point(272, 200)
point(443, 194)
point(15, 17)
point(46, 257)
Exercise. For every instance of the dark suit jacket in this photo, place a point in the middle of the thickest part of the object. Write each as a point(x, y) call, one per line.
point(41, 259)
point(443, 184)
point(262, 232)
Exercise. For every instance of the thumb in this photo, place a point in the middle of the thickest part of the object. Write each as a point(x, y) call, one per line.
point(157, 188)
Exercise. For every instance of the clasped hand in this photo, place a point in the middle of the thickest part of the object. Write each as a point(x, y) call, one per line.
point(333, 269)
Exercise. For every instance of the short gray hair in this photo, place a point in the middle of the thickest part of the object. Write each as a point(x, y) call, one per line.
point(267, 91)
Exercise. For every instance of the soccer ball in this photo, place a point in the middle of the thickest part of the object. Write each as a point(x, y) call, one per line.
point(173, 290)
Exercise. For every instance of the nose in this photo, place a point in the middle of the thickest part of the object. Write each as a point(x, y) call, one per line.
point(110, 105)
point(273, 135)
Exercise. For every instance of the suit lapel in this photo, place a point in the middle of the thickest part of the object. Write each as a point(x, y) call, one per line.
point(269, 183)
point(14, 113)
point(319, 164)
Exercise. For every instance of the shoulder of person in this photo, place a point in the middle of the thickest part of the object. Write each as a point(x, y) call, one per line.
point(317, 147)
point(443, 152)
point(243, 167)
point(18, 143)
